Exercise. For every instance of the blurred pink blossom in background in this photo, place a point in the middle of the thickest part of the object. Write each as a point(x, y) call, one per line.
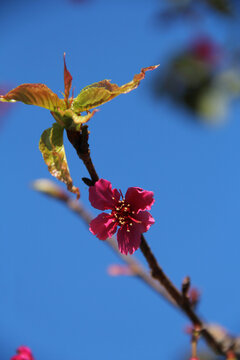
point(119, 270)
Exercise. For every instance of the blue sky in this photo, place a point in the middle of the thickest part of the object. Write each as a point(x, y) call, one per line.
point(56, 296)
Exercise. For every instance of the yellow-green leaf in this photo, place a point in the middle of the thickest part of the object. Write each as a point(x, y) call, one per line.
point(99, 93)
point(35, 94)
point(53, 152)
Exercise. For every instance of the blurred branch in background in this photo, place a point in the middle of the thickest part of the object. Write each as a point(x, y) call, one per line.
point(52, 190)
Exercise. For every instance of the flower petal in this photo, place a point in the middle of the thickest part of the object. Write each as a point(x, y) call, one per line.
point(102, 196)
point(24, 349)
point(146, 220)
point(22, 356)
point(128, 241)
point(103, 226)
point(139, 199)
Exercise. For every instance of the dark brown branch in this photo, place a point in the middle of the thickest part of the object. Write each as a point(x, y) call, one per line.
point(79, 140)
point(181, 300)
point(186, 283)
point(80, 143)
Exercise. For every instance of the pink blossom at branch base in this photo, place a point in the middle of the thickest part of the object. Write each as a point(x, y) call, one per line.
point(119, 270)
point(128, 213)
point(23, 353)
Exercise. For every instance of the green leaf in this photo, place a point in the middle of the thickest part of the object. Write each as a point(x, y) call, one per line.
point(35, 94)
point(99, 93)
point(53, 152)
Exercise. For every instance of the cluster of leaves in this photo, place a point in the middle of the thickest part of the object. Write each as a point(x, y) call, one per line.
point(67, 113)
point(196, 79)
point(175, 8)
point(192, 78)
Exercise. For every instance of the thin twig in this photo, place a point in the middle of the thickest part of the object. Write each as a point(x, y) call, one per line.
point(181, 300)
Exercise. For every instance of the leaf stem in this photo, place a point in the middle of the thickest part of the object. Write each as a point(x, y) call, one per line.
point(79, 140)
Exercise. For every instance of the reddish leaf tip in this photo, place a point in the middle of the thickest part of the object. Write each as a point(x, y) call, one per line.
point(149, 68)
point(67, 79)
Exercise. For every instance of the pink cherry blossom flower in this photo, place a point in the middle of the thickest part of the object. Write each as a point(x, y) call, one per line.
point(23, 353)
point(128, 213)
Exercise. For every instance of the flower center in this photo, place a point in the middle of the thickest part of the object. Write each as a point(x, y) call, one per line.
point(123, 214)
